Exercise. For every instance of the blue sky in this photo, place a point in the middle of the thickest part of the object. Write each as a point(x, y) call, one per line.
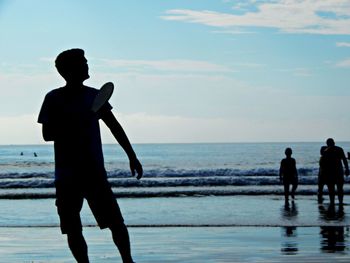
point(186, 70)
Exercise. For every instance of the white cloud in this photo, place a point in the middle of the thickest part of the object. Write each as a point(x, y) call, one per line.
point(344, 63)
point(294, 122)
point(290, 16)
point(178, 65)
point(299, 72)
point(343, 44)
point(143, 127)
point(233, 32)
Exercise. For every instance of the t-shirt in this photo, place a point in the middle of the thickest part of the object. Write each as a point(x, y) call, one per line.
point(77, 139)
point(288, 168)
point(332, 161)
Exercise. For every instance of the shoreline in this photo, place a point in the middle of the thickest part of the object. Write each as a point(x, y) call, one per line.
point(190, 245)
point(199, 211)
point(164, 192)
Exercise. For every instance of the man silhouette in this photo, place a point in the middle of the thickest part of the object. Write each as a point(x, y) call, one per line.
point(333, 160)
point(68, 121)
point(322, 180)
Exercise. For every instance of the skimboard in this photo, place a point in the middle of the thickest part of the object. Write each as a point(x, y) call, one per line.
point(102, 96)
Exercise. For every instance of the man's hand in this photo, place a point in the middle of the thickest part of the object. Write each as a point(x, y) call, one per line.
point(135, 165)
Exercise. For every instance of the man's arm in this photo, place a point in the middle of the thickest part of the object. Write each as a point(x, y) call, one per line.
point(345, 162)
point(48, 133)
point(45, 118)
point(119, 134)
point(281, 171)
point(295, 168)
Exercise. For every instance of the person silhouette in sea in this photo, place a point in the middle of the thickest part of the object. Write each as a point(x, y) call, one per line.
point(288, 174)
point(322, 180)
point(333, 164)
point(68, 121)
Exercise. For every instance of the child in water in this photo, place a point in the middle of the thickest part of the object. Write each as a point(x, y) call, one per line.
point(288, 174)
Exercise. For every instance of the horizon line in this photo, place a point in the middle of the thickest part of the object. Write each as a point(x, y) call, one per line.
point(219, 142)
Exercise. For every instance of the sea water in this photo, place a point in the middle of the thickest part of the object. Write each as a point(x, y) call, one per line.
point(169, 169)
point(233, 187)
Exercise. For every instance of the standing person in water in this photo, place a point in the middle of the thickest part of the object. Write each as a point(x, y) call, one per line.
point(333, 164)
point(321, 180)
point(68, 121)
point(288, 174)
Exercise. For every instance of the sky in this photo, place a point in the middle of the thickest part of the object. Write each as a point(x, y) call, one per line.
point(185, 70)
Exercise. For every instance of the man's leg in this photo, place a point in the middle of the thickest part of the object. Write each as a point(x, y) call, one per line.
point(320, 189)
point(121, 240)
point(69, 201)
point(286, 192)
point(340, 192)
point(294, 188)
point(78, 246)
point(331, 191)
point(106, 210)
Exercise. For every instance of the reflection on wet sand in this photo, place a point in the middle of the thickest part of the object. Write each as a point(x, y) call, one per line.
point(332, 238)
point(331, 213)
point(289, 244)
point(289, 211)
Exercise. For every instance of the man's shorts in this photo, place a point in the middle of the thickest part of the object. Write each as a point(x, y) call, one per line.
point(99, 195)
point(290, 180)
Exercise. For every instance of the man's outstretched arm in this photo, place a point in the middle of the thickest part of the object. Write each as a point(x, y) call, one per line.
point(119, 134)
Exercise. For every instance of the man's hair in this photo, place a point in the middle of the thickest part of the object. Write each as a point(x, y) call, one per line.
point(330, 142)
point(288, 151)
point(65, 60)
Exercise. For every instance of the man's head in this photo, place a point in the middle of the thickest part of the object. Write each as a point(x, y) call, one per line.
point(72, 65)
point(330, 142)
point(288, 152)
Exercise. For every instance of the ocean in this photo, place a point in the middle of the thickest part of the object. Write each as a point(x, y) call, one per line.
point(188, 189)
point(208, 169)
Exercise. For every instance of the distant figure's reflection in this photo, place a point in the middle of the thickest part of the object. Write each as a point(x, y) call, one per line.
point(331, 213)
point(289, 211)
point(332, 237)
point(289, 244)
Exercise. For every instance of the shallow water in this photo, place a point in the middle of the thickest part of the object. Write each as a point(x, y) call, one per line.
point(189, 211)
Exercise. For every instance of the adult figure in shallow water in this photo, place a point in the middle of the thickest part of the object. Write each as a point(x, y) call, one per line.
point(333, 164)
point(321, 180)
point(67, 119)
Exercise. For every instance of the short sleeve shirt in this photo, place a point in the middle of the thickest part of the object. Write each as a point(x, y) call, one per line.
point(332, 160)
point(288, 168)
point(77, 139)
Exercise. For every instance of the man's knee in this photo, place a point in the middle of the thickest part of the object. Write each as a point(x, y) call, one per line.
point(75, 235)
point(119, 227)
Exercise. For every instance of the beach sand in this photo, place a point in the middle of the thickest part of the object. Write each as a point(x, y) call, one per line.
point(188, 229)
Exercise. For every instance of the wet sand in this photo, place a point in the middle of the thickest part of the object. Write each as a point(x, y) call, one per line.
point(187, 229)
point(184, 244)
